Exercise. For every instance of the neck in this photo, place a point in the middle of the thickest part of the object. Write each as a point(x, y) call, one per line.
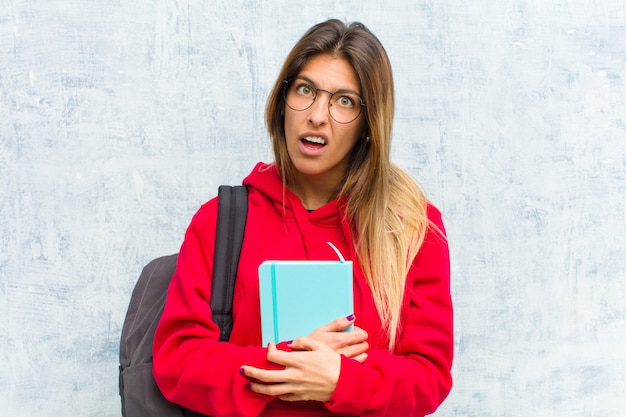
point(313, 192)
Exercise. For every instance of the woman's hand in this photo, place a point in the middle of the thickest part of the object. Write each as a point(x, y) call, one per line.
point(352, 344)
point(311, 372)
point(313, 365)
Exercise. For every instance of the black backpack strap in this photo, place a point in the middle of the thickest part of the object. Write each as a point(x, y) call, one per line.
point(231, 224)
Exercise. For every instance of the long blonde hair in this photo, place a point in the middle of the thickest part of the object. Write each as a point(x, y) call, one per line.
point(385, 207)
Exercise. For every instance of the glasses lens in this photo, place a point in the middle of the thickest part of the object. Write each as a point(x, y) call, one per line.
point(299, 95)
point(344, 106)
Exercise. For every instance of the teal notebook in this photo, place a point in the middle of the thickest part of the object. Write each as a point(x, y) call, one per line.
point(297, 297)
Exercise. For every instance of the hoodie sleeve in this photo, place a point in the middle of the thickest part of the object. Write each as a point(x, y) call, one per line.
point(415, 378)
point(190, 366)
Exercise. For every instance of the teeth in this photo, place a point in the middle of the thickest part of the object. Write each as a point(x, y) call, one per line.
point(315, 139)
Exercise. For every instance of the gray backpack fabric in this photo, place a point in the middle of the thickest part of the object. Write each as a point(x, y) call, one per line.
point(139, 393)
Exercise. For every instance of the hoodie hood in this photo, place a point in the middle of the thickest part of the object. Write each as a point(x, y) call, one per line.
point(266, 180)
point(315, 228)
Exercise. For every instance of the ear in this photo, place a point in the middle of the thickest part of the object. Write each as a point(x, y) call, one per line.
point(365, 130)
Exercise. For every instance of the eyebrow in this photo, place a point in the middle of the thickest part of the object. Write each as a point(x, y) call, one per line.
point(341, 90)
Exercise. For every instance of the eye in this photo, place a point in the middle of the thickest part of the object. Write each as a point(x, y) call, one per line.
point(304, 90)
point(345, 101)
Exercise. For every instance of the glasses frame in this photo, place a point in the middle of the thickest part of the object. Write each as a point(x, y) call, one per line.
point(286, 84)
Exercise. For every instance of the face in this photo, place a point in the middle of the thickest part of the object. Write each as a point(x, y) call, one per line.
point(318, 145)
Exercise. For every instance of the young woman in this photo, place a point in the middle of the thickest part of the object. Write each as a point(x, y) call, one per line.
point(330, 119)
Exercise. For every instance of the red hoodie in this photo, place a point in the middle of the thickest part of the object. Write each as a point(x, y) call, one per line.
point(195, 370)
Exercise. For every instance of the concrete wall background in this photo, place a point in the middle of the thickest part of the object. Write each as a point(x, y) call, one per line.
point(118, 119)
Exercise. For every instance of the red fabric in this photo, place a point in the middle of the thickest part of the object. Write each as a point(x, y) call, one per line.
point(193, 369)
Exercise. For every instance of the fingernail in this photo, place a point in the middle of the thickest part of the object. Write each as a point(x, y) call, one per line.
point(350, 317)
point(288, 342)
point(249, 386)
point(242, 371)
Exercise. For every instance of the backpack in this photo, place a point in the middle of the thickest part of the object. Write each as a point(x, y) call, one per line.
point(139, 393)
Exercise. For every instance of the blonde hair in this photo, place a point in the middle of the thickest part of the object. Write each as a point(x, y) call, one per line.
point(385, 207)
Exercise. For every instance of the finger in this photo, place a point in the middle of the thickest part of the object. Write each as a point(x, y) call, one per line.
point(354, 350)
point(267, 376)
point(338, 325)
point(274, 390)
point(293, 397)
point(360, 358)
point(289, 397)
point(294, 357)
point(358, 335)
point(306, 343)
point(338, 340)
point(264, 375)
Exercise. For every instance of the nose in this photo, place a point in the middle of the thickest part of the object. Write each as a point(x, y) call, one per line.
point(319, 111)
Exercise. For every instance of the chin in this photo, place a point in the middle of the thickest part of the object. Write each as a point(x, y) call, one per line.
point(308, 171)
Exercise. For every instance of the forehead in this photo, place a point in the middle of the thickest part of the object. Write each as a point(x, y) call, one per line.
point(331, 73)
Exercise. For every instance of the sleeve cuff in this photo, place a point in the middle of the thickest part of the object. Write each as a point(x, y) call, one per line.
point(354, 388)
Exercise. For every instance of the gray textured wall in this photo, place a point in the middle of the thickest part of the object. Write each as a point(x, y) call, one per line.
point(118, 119)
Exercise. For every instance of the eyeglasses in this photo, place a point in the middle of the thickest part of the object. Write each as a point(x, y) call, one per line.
point(344, 106)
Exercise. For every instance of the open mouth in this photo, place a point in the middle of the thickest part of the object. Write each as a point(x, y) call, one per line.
point(314, 141)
